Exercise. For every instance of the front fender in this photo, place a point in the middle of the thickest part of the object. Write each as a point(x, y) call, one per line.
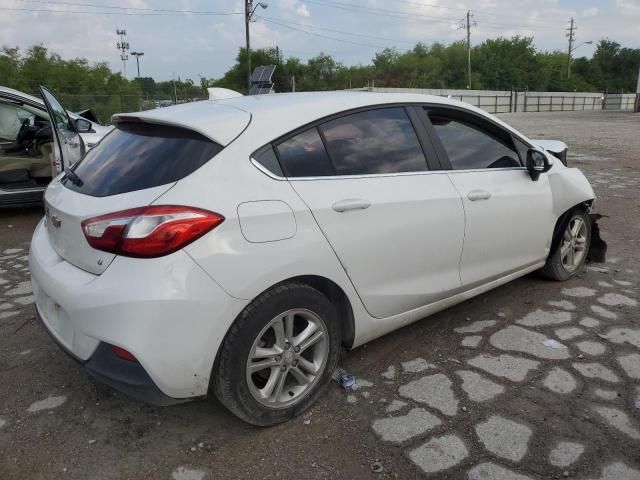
point(569, 187)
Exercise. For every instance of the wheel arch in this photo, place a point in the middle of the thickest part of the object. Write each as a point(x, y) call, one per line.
point(561, 223)
point(336, 296)
point(327, 287)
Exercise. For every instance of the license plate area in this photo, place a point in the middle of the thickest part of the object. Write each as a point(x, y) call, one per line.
point(54, 317)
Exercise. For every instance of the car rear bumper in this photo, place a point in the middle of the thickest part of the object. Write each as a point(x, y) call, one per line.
point(125, 376)
point(165, 311)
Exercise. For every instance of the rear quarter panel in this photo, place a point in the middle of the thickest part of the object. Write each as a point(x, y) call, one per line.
point(243, 268)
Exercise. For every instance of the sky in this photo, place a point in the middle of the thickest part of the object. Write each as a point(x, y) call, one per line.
point(192, 38)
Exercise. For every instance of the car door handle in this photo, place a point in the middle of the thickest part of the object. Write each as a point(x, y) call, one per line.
point(350, 204)
point(475, 195)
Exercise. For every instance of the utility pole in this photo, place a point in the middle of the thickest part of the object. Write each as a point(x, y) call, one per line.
point(467, 24)
point(247, 20)
point(138, 55)
point(249, 10)
point(638, 93)
point(123, 46)
point(175, 92)
point(571, 35)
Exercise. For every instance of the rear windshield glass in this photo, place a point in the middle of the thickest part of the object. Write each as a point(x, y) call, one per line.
point(136, 156)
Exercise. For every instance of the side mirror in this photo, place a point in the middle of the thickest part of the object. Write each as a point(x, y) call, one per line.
point(537, 163)
point(83, 126)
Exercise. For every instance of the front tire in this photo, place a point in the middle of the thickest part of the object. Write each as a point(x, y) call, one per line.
point(571, 252)
point(278, 355)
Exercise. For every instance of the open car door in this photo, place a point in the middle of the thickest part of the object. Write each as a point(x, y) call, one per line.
point(69, 147)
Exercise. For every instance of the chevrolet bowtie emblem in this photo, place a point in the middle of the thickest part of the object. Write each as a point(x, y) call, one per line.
point(55, 221)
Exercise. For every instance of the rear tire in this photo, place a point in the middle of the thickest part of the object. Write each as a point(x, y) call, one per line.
point(278, 355)
point(570, 254)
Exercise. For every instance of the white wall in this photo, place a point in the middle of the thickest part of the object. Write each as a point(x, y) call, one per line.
point(501, 101)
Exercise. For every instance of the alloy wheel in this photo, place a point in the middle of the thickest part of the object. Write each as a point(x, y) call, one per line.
point(287, 358)
point(574, 241)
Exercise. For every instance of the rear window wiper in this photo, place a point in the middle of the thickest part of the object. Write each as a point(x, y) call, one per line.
point(73, 177)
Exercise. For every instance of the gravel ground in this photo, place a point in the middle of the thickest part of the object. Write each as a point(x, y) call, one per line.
point(532, 380)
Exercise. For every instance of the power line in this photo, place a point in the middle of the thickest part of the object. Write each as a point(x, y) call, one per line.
point(521, 25)
point(323, 36)
point(375, 37)
point(90, 12)
point(329, 3)
point(381, 11)
point(118, 7)
point(410, 15)
point(434, 5)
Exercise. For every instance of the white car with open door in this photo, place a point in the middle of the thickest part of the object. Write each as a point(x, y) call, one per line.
point(235, 246)
point(28, 159)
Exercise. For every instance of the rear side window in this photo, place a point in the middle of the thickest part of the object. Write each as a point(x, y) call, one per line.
point(373, 142)
point(135, 156)
point(304, 155)
point(470, 147)
point(267, 158)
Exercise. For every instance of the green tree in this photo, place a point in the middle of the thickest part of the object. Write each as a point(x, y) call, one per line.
point(506, 63)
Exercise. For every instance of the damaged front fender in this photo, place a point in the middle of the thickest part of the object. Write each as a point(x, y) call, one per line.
point(569, 188)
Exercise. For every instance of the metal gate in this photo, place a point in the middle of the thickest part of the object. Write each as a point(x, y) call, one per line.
point(612, 101)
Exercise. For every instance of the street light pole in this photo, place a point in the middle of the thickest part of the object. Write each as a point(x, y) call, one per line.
point(571, 50)
point(249, 10)
point(123, 46)
point(138, 55)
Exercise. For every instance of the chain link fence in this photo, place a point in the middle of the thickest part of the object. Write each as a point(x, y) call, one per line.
point(104, 106)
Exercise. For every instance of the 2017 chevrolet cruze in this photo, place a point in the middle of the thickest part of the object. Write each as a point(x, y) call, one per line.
point(235, 246)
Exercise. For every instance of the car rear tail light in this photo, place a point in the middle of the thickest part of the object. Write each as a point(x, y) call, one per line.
point(123, 354)
point(149, 231)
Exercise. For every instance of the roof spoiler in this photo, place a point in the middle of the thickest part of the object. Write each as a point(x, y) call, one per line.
point(217, 93)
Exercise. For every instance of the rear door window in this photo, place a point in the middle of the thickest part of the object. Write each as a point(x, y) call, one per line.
point(135, 156)
point(304, 155)
point(374, 142)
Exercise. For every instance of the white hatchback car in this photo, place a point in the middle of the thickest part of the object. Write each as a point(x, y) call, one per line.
point(237, 245)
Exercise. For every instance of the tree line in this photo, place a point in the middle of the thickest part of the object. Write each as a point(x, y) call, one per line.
point(497, 64)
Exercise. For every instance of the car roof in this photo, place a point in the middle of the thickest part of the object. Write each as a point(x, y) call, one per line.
point(21, 95)
point(276, 114)
point(35, 101)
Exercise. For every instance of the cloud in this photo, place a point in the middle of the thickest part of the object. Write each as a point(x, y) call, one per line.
point(208, 44)
point(628, 6)
point(303, 11)
point(287, 4)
